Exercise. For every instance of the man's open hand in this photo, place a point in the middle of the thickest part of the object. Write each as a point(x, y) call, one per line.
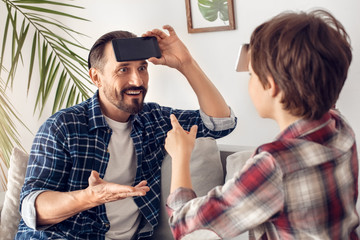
point(104, 191)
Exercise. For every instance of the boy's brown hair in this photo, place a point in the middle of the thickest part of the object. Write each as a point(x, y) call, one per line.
point(308, 55)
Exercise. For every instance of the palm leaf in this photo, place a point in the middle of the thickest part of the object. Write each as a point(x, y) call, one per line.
point(42, 21)
point(9, 136)
point(54, 50)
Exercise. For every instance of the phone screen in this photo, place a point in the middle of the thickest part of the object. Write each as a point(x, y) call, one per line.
point(132, 49)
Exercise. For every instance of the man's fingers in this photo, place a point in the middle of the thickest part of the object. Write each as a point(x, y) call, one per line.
point(141, 187)
point(158, 33)
point(94, 177)
point(142, 183)
point(132, 194)
point(156, 61)
point(138, 190)
point(94, 174)
point(170, 29)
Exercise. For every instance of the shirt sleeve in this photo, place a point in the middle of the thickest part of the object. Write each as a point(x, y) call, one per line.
point(48, 161)
point(219, 124)
point(250, 198)
point(28, 211)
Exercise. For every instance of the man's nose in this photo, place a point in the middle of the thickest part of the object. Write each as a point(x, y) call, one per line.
point(136, 79)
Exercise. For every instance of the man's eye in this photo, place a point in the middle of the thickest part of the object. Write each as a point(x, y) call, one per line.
point(123, 70)
point(142, 68)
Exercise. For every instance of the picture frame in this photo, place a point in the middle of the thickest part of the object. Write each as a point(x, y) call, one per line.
point(209, 16)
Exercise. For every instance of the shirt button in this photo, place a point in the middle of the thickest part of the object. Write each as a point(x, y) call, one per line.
point(107, 225)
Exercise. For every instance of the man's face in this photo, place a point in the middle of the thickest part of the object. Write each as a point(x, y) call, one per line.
point(122, 85)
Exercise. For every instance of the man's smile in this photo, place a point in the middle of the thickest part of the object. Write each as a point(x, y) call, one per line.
point(133, 92)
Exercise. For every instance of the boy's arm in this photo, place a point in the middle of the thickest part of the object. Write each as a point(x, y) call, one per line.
point(253, 196)
point(176, 55)
point(180, 144)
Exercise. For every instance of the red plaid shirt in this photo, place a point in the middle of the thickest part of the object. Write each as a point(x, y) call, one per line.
point(301, 186)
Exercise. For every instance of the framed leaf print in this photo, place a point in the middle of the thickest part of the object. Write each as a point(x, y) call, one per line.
point(209, 15)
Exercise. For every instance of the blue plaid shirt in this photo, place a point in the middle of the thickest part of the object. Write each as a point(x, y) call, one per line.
point(74, 141)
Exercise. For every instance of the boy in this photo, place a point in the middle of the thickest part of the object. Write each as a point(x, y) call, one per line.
point(303, 185)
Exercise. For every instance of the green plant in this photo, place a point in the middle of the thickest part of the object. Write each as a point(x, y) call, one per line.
point(53, 50)
point(214, 9)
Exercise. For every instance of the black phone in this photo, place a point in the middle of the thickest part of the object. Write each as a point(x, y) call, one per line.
point(132, 49)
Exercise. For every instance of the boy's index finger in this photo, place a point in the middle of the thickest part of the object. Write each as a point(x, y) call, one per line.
point(174, 122)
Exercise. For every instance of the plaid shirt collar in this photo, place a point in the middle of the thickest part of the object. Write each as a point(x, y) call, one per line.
point(304, 127)
point(97, 119)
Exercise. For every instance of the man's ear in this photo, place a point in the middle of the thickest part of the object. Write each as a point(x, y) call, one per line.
point(272, 87)
point(94, 75)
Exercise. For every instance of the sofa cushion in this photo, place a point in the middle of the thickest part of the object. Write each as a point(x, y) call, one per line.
point(236, 161)
point(206, 172)
point(10, 216)
point(2, 199)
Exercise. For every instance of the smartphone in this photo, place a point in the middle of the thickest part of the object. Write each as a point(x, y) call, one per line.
point(242, 63)
point(132, 49)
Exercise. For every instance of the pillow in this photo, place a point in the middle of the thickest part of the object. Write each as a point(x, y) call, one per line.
point(206, 173)
point(2, 198)
point(236, 161)
point(10, 216)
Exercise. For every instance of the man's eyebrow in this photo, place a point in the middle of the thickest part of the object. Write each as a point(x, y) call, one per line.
point(124, 64)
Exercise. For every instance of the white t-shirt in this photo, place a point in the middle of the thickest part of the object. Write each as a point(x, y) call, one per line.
point(124, 215)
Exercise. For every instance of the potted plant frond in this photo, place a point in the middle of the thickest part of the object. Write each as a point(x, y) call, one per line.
point(61, 73)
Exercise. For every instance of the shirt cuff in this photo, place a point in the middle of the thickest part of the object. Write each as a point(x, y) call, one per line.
point(218, 124)
point(178, 198)
point(28, 211)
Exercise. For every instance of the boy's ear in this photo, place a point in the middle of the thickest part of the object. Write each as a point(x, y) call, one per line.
point(272, 87)
point(93, 73)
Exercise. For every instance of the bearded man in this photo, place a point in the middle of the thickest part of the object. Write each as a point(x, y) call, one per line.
point(94, 168)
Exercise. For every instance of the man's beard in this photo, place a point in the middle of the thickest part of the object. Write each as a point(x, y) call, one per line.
point(136, 105)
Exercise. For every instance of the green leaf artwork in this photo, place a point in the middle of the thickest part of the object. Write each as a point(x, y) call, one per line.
point(214, 9)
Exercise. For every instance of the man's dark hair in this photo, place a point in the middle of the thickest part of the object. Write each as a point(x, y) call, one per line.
point(308, 55)
point(96, 53)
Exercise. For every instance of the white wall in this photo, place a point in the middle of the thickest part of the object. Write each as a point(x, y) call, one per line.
point(215, 51)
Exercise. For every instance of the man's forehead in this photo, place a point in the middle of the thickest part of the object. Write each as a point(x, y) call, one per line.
point(242, 63)
point(129, 63)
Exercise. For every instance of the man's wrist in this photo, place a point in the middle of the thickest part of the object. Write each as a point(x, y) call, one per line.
point(188, 66)
point(88, 197)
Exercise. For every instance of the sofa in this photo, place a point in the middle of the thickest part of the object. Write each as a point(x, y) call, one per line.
point(211, 165)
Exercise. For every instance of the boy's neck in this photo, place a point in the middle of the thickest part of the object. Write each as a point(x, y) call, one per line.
point(284, 119)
